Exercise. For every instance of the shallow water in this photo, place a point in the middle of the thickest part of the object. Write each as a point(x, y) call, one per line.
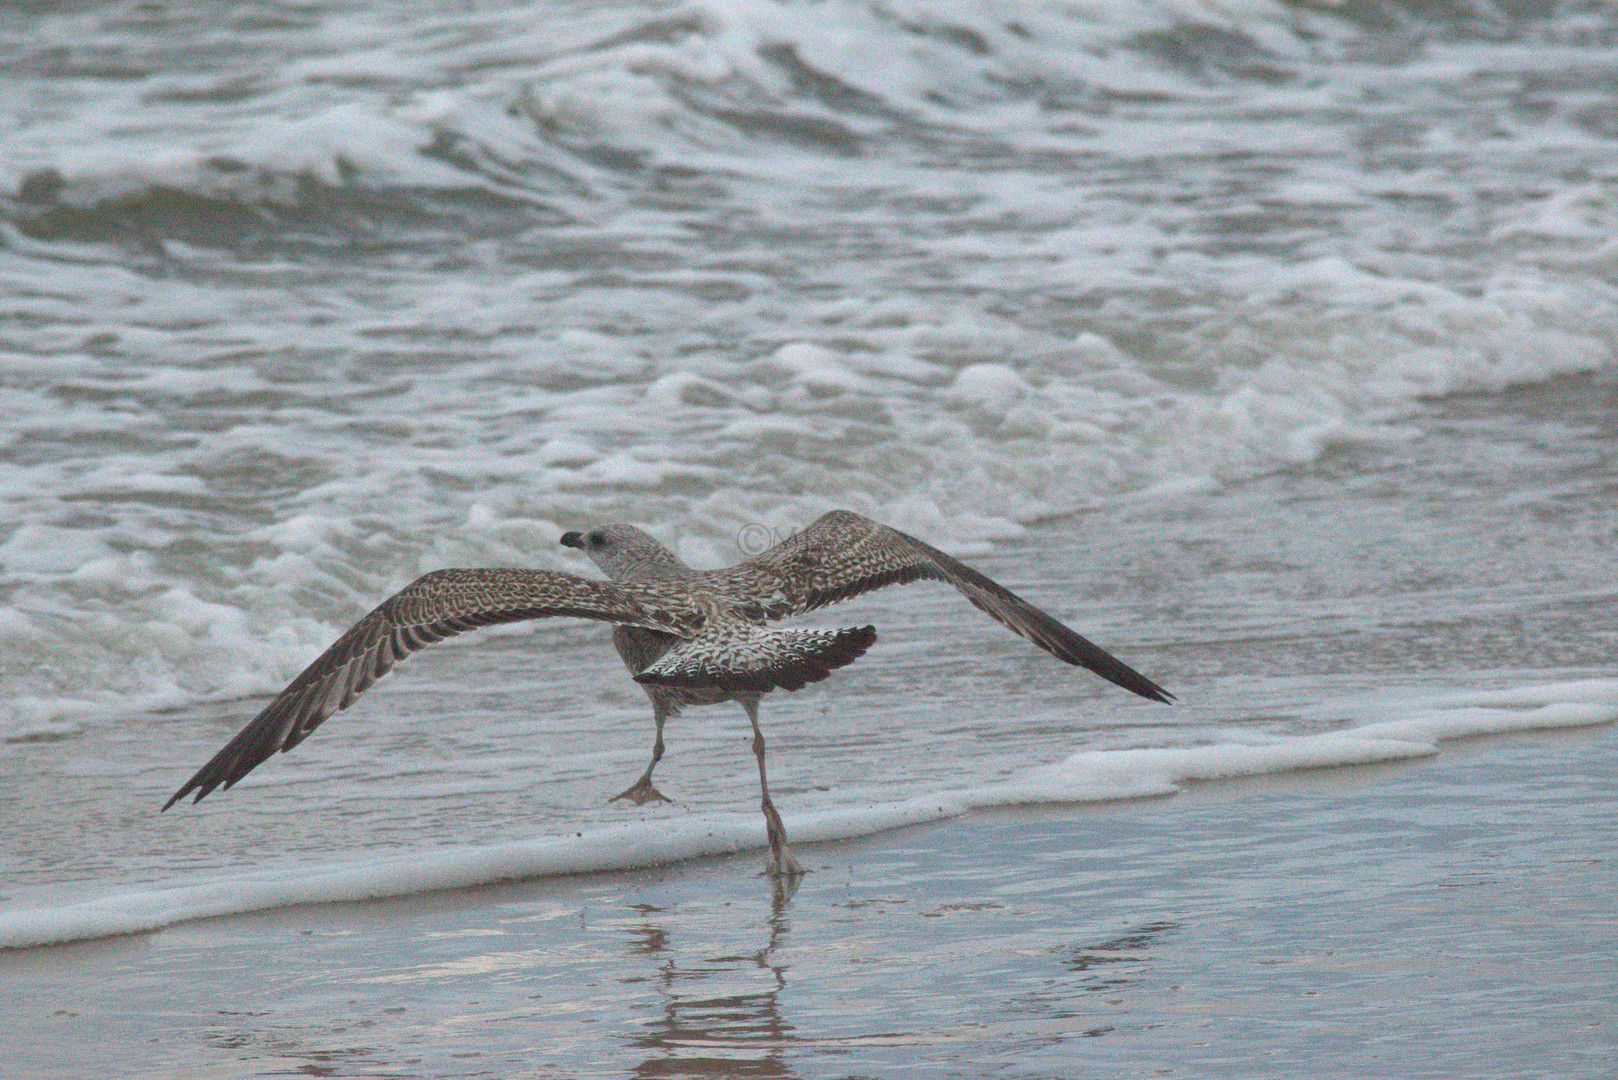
point(1445, 917)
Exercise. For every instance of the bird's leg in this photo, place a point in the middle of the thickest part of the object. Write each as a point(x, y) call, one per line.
point(641, 791)
point(781, 863)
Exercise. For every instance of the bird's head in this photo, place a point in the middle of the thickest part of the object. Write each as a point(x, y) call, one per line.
point(625, 553)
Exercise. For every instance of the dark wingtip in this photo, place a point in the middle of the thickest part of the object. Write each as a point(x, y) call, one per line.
point(202, 784)
point(573, 540)
point(1133, 681)
point(183, 792)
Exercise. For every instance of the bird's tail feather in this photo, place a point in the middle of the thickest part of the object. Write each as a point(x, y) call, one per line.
point(737, 656)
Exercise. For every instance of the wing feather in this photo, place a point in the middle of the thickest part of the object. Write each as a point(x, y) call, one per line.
point(843, 555)
point(427, 610)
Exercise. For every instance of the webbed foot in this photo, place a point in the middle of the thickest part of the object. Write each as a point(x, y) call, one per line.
point(781, 865)
point(641, 793)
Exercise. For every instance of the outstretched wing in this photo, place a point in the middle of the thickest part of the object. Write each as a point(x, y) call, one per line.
point(429, 609)
point(737, 656)
point(843, 554)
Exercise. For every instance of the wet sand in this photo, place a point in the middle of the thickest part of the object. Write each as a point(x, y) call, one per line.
point(1452, 916)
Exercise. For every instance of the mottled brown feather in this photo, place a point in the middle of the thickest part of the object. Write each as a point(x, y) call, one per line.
point(843, 555)
point(690, 637)
point(427, 610)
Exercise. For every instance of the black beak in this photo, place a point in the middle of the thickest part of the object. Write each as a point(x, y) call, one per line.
point(573, 540)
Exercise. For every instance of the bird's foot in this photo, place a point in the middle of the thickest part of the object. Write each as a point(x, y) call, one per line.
point(782, 866)
point(641, 793)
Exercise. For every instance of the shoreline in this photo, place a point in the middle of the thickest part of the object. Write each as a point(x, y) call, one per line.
point(1203, 935)
point(1085, 777)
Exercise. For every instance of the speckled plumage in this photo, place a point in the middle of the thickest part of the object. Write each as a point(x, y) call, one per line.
point(689, 637)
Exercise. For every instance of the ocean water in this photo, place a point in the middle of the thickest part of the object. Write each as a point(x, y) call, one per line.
point(1268, 345)
point(1438, 917)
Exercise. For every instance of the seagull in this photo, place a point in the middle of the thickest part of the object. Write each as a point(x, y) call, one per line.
point(689, 637)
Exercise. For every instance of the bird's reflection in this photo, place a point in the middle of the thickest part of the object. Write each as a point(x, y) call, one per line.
point(721, 1015)
point(1119, 961)
point(1113, 966)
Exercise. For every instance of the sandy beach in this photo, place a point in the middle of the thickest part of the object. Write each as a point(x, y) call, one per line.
point(1451, 916)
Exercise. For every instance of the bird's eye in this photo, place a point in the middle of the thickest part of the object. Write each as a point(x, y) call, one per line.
point(596, 539)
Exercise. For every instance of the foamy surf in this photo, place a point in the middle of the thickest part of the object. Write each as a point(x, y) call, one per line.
point(961, 270)
point(1407, 727)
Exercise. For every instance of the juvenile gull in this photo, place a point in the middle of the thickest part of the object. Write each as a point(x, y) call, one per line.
point(689, 637)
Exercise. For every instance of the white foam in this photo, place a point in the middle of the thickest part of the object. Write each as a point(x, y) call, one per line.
point(1411, 726)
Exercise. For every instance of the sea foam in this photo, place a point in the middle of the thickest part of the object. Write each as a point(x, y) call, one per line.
point(1406, 727)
